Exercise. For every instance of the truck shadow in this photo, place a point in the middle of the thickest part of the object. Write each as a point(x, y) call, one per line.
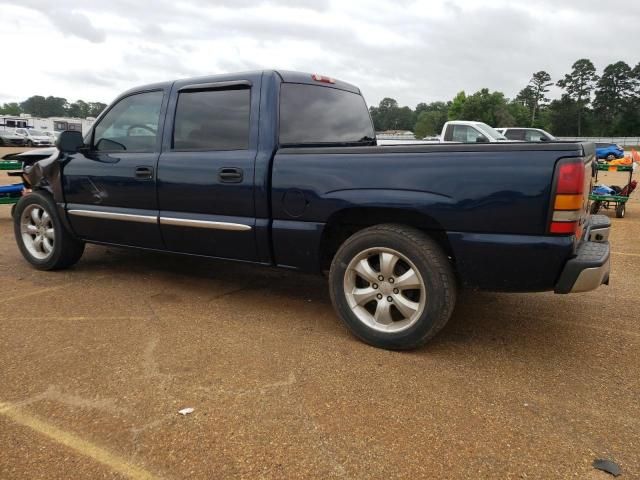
point(512, 322)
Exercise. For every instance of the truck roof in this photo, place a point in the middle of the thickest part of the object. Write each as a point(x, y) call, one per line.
point(285, 75)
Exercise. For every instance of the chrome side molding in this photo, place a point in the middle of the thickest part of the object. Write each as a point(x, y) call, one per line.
point(179, 222)
point(127, 217)
point(187, 222)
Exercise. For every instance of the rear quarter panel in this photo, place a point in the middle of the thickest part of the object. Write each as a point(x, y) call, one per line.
point(493, 202)
point(486, 191)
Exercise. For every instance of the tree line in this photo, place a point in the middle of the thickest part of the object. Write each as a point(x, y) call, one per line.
point(590, 105)
point(39, 106)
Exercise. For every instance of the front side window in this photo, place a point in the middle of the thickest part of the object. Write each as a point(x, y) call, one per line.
point(212, 120)
point(131, 125)
point(311, 114)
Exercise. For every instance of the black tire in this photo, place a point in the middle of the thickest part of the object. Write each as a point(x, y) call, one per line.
point(66, 249)
point(621, 210)
point(595, 207)
point(29, 143)
point(433, 267)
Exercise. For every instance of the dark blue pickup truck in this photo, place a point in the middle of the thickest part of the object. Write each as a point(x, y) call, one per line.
point(282, 168)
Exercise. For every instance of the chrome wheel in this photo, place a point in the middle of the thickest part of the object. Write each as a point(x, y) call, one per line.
point(37, 231)
point(385, 290)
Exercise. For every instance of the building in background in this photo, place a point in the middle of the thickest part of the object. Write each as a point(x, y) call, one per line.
point(51, 124)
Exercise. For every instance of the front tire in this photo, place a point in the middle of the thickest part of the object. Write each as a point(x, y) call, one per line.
point(41, 237)
point(621, 210)
point(392, 286)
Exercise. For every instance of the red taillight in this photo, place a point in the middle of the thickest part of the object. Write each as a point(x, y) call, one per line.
point(571, 178)
point(322, 78)
point(568, 199)
point(563, 228)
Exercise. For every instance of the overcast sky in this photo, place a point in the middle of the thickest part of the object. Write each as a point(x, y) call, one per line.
point(413, 51)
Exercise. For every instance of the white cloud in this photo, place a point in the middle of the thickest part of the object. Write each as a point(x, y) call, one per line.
point(411, 50)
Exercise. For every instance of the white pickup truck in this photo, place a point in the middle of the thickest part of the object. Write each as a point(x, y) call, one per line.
point(470, 132)
point(458, 131)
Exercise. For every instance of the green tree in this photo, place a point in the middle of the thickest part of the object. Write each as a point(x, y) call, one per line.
point(539, 86)
point(430, 118)
point(78, 109)
point(96, 108)
point(614, 91)
point(563, 116)
point(520, 113)
point(34, 105)
point(579, 84)
point(12, 108)
point(482, 106)
point(40, 106)
point(457, 104)
point(389, 116)
point(526, 98)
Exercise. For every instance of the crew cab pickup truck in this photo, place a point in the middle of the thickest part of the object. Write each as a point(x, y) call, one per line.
point(282, 168)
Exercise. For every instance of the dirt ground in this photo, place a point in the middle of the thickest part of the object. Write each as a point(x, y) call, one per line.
point(96, 361)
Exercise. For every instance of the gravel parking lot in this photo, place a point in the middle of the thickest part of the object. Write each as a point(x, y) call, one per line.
point(96, 361)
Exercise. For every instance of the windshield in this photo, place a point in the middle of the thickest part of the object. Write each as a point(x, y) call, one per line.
point(37, 133)
point(490, 131)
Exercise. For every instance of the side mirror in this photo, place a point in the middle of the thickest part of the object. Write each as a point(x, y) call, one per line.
point(482, 139)
point(69, 141)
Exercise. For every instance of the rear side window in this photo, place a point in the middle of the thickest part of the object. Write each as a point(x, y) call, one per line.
point(212, 120)
point(311, 114)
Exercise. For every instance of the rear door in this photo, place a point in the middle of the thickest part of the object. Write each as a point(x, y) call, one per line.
point(206, 169)
point(110, 186)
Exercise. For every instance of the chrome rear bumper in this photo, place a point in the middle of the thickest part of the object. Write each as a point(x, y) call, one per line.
point(590, 267)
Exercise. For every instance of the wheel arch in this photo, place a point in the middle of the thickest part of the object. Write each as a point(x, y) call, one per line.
point(344, 223)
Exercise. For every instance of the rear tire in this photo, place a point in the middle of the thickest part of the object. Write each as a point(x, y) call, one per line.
point(41, 236)
point(392, 286)
point(621, 210)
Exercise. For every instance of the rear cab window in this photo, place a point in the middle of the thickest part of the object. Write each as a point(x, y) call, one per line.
point(466, 134)
point(320, 115)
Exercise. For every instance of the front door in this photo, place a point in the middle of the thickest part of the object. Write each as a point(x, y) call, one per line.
point(110, 186)
point(206, 170)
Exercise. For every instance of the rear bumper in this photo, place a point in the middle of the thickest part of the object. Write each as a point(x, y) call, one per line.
point(590, 267)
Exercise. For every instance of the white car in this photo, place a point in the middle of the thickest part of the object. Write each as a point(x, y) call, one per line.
point(526, 134)
point(463, 131)
point(35, 138)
